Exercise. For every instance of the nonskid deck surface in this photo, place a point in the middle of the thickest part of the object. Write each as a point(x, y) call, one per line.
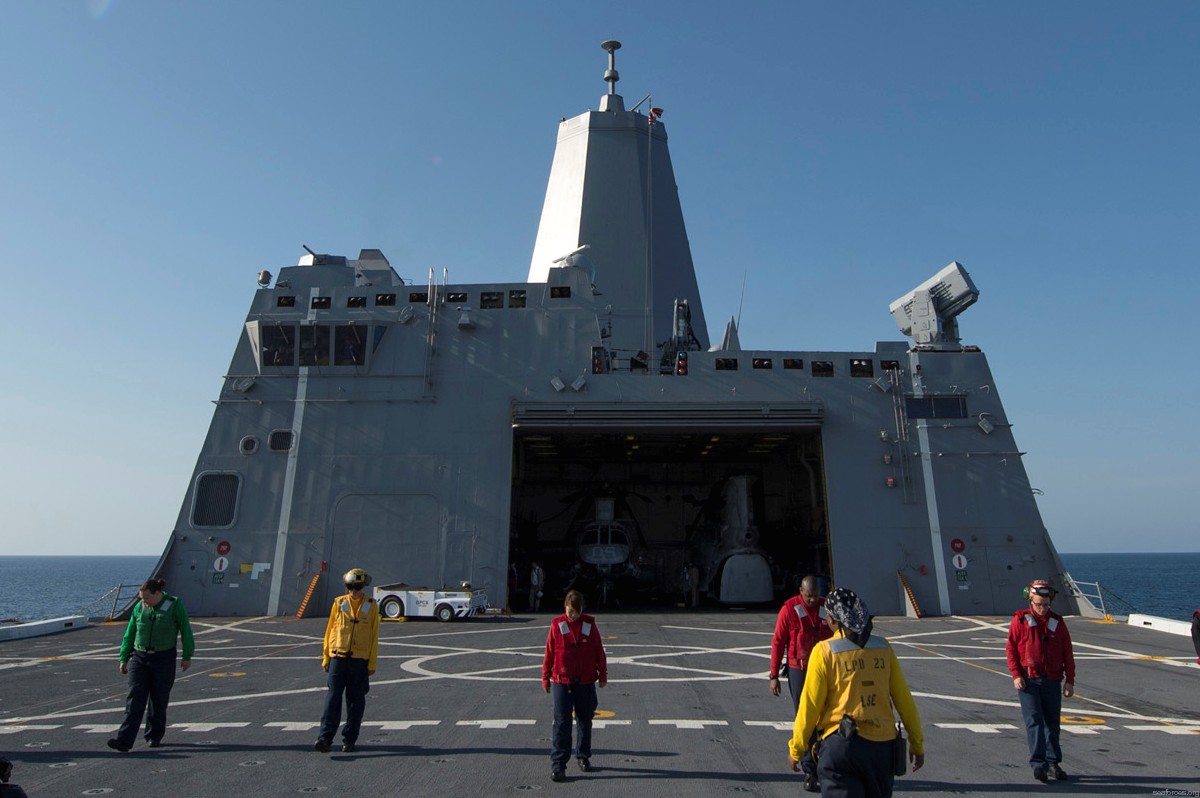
point(458, 709)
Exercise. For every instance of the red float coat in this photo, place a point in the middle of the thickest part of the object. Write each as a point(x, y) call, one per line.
point(574, 653)
point(798, 628)
point(1040, 646)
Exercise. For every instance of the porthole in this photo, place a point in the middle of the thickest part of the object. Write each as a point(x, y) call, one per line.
point(249, 445)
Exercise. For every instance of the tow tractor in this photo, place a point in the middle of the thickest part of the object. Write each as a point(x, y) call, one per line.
point(400, 600)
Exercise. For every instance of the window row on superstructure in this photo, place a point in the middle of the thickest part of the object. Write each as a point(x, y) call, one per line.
point(487, 299)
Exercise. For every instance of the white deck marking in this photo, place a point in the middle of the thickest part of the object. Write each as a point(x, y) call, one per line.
point(604, 724)
point(978, 728)
point(725, 631)
point(293, 725)
point(681, 724)
point(93, 728)
point(497, 723)
point(1181, 729)
point(206, 727)
point(400, 725)
point(1016, 705)
point(688, 724)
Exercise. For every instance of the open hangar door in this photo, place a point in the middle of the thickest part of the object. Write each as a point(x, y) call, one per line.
point(646, 505)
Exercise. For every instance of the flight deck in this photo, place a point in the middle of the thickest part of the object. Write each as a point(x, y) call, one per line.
point(457, 709)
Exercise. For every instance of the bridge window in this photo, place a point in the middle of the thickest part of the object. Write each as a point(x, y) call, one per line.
point(418, 297)
point(761, 363)
point(793, 363)
point(936, 406)
point(279, 346)
point(385, 300)
point(285, 302)
point(726, 364)
point(322, 302)
point(560, 291)
point(822, 368)
point(516, 298)
point(349, 345)
point(491, 299)
point(314, 345)
point(456, 296)
point(356, 301)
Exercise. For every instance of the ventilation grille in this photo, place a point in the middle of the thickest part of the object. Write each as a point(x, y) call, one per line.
point(280, 440)
point(216, 500)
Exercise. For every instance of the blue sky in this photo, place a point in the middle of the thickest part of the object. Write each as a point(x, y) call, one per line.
point(157, 155)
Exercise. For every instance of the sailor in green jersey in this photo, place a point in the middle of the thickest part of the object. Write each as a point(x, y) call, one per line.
point(148, 656)
point(853, 681)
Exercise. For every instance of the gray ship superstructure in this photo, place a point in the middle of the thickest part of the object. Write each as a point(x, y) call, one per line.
point(436, 432)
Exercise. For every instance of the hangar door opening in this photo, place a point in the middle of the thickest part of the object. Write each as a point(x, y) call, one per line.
point(642, 506)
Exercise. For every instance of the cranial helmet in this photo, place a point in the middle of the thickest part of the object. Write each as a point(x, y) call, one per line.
point(356, 578)
point(1040, 587)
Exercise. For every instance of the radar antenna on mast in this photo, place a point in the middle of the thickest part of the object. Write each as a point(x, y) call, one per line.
point(610, 74)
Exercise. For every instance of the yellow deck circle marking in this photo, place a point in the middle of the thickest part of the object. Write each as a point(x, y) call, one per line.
point(604, 713)
point(220, 674)
point(1081, 720)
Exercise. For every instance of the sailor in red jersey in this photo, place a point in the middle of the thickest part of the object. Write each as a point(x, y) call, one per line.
point(799, 627)
point(573, 665)
point(1039, 658)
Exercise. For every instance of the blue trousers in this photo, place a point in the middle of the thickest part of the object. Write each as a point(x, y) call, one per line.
point(1041, 704)
point(795, 688)
point(855, 768)
point(151, 677)
point(580, 698)
point(348, 677)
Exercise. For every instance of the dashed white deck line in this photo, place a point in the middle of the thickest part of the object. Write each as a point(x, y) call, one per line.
point(497, 723)
point(292, 726)
point(978, 728)
point(399, 725)
point(688, 724)
point(1096, 729)
point(206, 727)
point(1182, 729)
point(682, 724)
point(97, 728)
point(29, 727)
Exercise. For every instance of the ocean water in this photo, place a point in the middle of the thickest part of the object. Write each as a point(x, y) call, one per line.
point(1165, 585)
point(33, 588)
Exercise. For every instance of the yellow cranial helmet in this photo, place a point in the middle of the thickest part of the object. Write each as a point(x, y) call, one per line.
point(356, 579)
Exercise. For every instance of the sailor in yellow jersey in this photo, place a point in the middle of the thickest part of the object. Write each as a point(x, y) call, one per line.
point(853, 681)
point(348, 656)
